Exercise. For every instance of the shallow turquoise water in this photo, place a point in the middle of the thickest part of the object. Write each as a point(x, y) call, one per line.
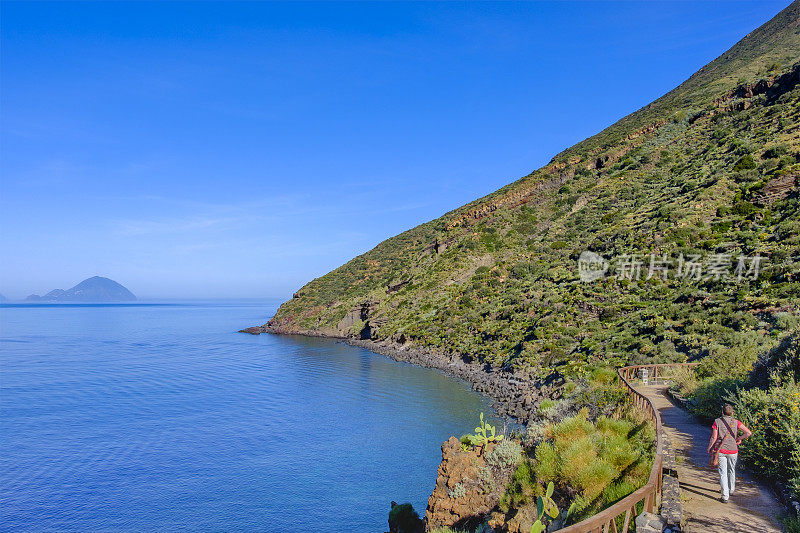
point(163, 418)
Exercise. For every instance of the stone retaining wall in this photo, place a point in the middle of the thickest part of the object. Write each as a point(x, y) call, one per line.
point(671, 510)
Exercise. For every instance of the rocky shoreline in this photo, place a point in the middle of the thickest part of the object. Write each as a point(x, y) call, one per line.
point(514, 394)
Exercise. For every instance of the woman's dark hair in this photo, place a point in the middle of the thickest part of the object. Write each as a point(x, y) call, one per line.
point(727, 409)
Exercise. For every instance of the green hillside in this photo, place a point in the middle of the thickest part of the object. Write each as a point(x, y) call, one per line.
point(704, 176)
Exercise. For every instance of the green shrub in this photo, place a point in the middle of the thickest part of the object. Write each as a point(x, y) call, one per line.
point(743, 208)
point(603, 393)
point(745, 163)
point(507, 454)
point(405, 519)
point(545, 404)
point(603, 376)
point(521, 489)
point(734, 360)
point(773, 416)
point(552, 409)
point(458, 491)
point(547, 461)
point(709, 396)
point(684, 381)
point(782, 363)
point(775, 151)
point(794, 487)
point(792, 524)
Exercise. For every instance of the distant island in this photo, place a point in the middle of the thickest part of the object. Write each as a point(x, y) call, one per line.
point(94, 289)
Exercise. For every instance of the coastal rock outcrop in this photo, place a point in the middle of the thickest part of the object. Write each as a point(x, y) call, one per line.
point(255, 330)
point(459, 500)
point(469, 486)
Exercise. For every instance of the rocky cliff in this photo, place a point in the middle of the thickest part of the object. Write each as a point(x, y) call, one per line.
point(469, 488)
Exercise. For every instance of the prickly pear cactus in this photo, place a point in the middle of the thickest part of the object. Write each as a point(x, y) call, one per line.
point(545, 506)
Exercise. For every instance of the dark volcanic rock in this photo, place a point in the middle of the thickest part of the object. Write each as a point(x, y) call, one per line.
point(515, 394)
point(255, 330)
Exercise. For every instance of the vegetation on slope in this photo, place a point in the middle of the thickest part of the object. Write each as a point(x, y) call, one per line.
point(709, 171)
point(593, 464)
point(588, 449)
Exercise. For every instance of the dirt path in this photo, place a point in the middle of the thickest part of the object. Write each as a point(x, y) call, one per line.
point(752, 508)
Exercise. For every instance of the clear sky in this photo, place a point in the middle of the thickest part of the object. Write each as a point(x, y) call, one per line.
point(240, 149)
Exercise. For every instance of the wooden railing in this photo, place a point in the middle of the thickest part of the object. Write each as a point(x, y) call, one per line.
point(648, 497)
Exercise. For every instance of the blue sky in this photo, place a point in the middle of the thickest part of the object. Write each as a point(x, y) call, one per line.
point(206, 150)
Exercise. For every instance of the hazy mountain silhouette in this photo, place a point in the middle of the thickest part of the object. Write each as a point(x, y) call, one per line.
point(94, 289)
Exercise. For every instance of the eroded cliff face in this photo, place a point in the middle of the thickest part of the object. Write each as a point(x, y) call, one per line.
point(461, 499)
point(468, 492)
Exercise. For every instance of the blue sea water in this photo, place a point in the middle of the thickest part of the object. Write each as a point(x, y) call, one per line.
point(160, 417)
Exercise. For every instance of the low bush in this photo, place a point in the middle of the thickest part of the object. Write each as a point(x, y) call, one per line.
point(593, 464)
point(780, 364)
point(745, 163)
point(602, 392)
point(709, 396)
point(534, 434)
point(794, 487)
point(458, 491)
point(774, 417)
point(733, 359)
point(404, 519)
point(684, 381)
point(522, 489)
point(505, 455)
point(775, 151)
point(792, 524)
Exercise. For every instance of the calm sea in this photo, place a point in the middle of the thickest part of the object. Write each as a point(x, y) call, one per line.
point(162, 418)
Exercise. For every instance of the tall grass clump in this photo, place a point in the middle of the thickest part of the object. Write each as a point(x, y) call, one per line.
point(592, 464)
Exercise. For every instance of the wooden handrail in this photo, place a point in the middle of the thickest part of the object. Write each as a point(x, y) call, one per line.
point(650, 493)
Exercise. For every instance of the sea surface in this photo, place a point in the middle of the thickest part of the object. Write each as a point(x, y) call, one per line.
point(161, 417)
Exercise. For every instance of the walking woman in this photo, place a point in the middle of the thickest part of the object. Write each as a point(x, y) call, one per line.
point(724, 448)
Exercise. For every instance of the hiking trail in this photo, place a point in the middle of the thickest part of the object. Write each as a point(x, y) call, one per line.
point(752, 508)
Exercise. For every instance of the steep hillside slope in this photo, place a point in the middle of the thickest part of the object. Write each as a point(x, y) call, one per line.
point(700, 185)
